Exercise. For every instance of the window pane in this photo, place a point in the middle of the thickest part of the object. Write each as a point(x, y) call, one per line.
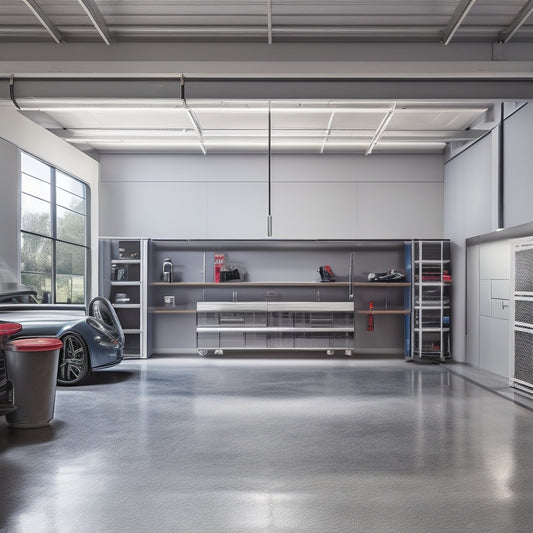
point(70, 289)
point(35, 215)
point(71, 201)
point(70, 259)
point(70, 278)
point(34, 167)
point(70, 184)
point(70, 226)
point(49, 216)
point(42, 283)
point(36, 187)
point(36, 254)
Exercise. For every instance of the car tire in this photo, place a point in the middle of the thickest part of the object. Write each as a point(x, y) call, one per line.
point(74, 365)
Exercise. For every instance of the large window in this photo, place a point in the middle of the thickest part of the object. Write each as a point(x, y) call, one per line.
point(54, 232)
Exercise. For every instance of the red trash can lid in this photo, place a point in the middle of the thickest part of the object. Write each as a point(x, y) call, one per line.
point(9, 328)
point(38, 344)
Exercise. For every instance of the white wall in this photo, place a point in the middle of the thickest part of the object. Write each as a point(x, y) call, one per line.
point(226, 196)
point(470, 208)
point(9, 208)
point(17, 131)
point(518, 165)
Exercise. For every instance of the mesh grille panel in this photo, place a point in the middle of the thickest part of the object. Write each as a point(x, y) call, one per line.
point(524, 271)
point(523, 356)
point(524, 311)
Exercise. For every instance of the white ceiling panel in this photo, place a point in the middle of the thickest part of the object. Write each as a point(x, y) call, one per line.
point(298, 126)
point(219, 119)
point(435, 119)
point(122, 119)
point(301, 119)
point(359, 120)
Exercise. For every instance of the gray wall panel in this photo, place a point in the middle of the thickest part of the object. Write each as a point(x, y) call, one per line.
point(469, 184)
point(236, 210)
point(184, 167)
point(518, 165)
point(10, 212)
point(158, 209)
point(314, 210)
point(226, 196)
point(473, 310)
point(358, 168)
point(400, 210)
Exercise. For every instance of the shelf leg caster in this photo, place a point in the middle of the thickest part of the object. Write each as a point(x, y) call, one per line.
point(219, 352)
point(203, 353)
point(348, 353)
point(330, 352)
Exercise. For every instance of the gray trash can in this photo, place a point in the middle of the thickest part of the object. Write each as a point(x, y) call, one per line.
point(32, 369)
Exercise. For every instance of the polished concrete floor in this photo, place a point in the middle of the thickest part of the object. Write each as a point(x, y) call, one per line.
point(272, 445)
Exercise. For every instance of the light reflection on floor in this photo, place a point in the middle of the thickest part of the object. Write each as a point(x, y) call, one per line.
point(267, 445)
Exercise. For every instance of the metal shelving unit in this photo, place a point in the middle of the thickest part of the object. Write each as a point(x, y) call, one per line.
point(282, 272)
point(123, 270)
point(431, 323)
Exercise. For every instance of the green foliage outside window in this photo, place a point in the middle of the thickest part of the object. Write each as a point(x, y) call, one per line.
point(54, 233)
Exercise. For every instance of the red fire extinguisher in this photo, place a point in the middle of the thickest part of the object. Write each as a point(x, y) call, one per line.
point(370, 325)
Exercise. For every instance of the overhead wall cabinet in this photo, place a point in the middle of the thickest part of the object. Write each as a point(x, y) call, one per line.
point(123, 274)
point(521, 375)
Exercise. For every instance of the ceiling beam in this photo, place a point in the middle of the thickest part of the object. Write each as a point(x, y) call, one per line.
point(505, 35)
point(44, 20)
point(269, 15)
point(457, 19)
point(97, 19)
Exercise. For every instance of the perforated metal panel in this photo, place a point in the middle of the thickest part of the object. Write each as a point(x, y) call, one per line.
point(524, 270)
point(522, 375)
point(524, 311)
point(523, 362)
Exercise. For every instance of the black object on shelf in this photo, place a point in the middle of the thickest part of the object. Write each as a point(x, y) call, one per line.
point(326, 274)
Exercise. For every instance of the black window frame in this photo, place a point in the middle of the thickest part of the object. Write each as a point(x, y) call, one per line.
point(53, 238)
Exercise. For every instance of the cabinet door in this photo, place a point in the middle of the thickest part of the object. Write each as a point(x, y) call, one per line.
point(494, 291)
point(494, 345)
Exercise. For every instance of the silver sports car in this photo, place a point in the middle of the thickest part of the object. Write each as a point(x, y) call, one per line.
point(92, 338)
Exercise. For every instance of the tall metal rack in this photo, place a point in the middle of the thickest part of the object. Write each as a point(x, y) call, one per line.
point(431, 295)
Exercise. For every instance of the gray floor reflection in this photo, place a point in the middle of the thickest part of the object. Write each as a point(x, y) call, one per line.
point(268, 445)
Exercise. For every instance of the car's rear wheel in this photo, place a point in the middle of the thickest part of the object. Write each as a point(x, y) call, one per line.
point(74, 364)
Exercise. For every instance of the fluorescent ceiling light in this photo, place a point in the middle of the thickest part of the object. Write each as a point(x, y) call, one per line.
point(136, 142)
point(127, 133)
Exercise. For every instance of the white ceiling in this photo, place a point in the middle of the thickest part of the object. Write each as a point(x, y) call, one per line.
point(309, 126)
point(201, 126)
